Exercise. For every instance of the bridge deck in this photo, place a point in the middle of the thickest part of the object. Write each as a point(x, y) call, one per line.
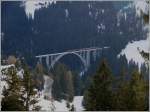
point(73, 51)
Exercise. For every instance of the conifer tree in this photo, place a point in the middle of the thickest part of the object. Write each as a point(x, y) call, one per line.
point(59, 86)
point(137, 92)
point(99, 95)
point(12, 95)
point(121, 93)
point(69, 86)
point(29, 91)
point(38, 76)
point(77, 83)
point(63, 83)
point(131, 94)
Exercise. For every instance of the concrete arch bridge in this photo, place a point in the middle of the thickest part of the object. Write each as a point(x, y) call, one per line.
point(83, 54)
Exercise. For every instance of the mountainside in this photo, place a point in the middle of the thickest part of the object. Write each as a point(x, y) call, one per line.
point(74, 55)
point(33, 28)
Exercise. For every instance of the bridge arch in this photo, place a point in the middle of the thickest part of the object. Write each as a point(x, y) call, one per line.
point(67, 53)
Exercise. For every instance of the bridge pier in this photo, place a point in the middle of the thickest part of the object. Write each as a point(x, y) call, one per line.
point(47, 62)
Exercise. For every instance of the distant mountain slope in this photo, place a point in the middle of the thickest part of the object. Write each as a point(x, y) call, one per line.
point(63, 26)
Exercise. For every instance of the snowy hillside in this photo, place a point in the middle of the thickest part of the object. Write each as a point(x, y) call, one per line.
point(46, 104)
point(131, 50)
point(54, 105)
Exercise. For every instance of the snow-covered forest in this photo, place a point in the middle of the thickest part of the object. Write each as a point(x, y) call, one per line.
point(75, 55)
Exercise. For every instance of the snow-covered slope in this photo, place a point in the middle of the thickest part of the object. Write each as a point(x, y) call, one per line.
point(46, 104)
point(131, 51)
point(77, 102)
point(53, 105)
point(32, 5)
point(49, 104)
point(141, 5)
